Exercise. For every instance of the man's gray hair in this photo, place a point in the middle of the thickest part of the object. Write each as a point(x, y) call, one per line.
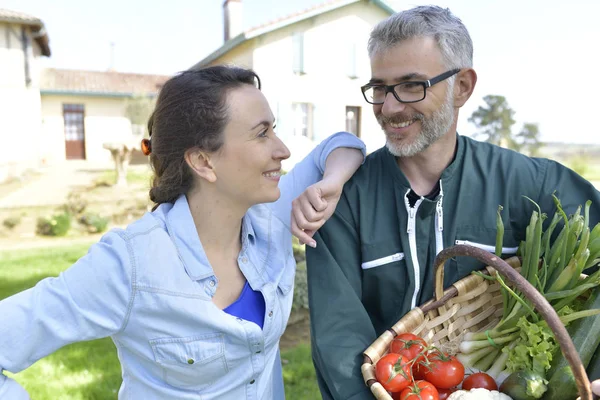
point(449, 32)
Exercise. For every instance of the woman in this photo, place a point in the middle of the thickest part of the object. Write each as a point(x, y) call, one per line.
point(196, 294)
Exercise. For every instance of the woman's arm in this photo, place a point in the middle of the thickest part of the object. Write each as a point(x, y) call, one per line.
point(312, 169)
point(88, 301)
point(317, 203)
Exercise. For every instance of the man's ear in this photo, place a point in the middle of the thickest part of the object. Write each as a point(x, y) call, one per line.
point(201, 164)
point(464, 86)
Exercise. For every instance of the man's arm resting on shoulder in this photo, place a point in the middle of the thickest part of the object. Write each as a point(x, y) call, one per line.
point(340, 326)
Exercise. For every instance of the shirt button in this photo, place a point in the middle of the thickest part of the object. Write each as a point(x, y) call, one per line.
point(244, 260)
point(252, 381)
point(270, 313)
point(212, 283)
point(190, 361)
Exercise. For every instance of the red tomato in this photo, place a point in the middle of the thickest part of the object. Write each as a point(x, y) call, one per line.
point(445, 393)
point(419, 369)
point(479, 380)
point(408, 346)
point(446, 371)
point(393, 372)
point(421, 390)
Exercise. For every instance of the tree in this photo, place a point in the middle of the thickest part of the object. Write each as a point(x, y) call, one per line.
point(137, 109)
point(529, 138)
point(495, 121)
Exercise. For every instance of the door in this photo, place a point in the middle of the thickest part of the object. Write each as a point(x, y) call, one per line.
point(74, 117)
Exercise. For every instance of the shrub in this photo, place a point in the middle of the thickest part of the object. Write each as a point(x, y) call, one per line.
point(76, 204)
point(11, 222)
point(95, 223)
point(56, 225)
point(300, 288)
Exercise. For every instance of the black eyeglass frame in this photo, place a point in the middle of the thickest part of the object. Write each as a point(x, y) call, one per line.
point(391, 88)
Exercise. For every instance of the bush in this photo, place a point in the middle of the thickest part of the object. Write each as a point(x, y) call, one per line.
point(57, 225)
point(95, 223)
point(75, 205)
point(11, 222)
point(300, 288)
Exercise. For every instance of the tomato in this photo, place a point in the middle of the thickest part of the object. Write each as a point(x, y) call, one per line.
point(408, 346)
point(479, 380)
point(445, 393)
point(419, 369)
point(393, 372)
point(421, 390)
point(446, 371)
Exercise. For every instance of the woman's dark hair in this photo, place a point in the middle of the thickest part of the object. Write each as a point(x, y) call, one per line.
point(190, 112)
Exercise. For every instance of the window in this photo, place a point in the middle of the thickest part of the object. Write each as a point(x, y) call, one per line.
point(298, 53)
point(353, 120)
point(302, 119)
point(352, 67)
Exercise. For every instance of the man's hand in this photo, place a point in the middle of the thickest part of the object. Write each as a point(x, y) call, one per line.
point(313, 207)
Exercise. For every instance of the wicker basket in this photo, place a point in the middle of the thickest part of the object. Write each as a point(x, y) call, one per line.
point(469, 305)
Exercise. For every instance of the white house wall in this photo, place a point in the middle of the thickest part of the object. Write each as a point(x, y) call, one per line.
point(104, 121)
point(326, 83)
point(20, 126)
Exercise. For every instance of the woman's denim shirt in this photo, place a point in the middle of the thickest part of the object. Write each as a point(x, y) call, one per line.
point(149, 287)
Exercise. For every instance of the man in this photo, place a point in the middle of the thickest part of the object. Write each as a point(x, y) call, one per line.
point(427, 189)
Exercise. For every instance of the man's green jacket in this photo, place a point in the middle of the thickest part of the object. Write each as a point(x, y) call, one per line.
point(374, 257)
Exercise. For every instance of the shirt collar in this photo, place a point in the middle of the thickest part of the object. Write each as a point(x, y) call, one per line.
point(183, 233)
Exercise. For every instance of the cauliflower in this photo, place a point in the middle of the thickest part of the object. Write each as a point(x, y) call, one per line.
point(478, 394)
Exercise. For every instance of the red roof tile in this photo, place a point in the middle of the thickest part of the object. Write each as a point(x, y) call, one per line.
point(98, 82)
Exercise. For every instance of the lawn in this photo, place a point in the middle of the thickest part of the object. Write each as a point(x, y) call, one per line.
point(90, 370)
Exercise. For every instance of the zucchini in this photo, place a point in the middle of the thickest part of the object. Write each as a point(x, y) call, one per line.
point(585, 334)
point(593, 368)
point(524, 385)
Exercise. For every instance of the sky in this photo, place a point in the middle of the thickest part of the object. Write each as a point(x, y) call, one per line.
point(542, 55)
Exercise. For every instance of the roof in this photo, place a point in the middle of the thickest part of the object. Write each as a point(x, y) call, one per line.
point(283, 22)
point(99, 83)
point(37, 27)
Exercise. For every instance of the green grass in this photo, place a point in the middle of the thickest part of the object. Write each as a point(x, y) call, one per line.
point(91, 370)
point(133, 176)
point(299, 374)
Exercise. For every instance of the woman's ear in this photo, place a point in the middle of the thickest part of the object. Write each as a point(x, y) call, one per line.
point(464, 86)
point(200, 163)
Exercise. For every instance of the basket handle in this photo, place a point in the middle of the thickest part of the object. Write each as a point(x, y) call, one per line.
point(541, 305)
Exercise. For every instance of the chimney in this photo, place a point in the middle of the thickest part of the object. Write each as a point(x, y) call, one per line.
point(232, 18)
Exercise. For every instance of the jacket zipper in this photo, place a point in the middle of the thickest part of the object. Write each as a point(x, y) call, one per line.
point(491, 249)
point(382, 261)
point(412, 241)
point(439, 223)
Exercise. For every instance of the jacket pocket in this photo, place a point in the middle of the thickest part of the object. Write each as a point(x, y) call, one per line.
point(382, 261)
point(487, 247)
point(192, 362)
point(485, 239)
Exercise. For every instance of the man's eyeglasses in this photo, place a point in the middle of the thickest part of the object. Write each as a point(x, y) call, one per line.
point(404, 92)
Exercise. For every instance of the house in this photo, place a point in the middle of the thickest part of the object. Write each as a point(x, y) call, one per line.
point(23, 42)
point(312, 65)
point(48, 116)
point(83, 110)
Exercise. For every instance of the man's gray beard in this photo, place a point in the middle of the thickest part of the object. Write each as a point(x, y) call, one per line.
point(432, 129)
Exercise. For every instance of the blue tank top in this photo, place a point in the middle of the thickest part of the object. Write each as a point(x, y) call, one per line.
point(249, 306)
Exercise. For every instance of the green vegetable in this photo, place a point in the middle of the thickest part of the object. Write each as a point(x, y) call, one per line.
point(593, 368)
point(562, 385)
point(534, 351)
point(585, 334)
point(524, 385)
